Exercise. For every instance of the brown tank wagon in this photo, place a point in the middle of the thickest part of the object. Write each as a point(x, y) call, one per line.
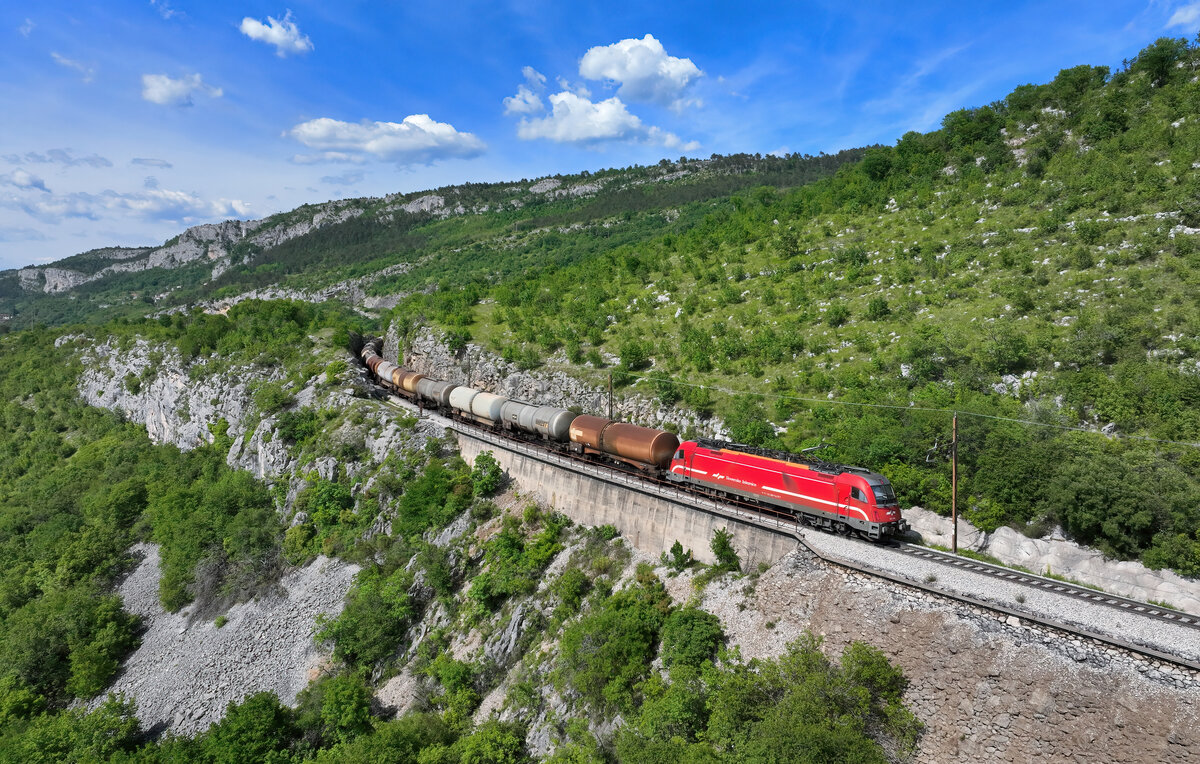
point(411, 380)
point(640, 446)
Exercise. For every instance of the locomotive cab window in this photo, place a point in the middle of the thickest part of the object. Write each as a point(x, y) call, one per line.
point(679, 454)
point(884, 494)
point(856, 493)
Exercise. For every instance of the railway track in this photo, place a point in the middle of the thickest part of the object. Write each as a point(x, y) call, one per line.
point(754, 514)
point(1062, 588)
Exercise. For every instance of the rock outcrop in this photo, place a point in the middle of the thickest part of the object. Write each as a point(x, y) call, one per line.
point(478, 367)
point(185, 672)
point(210, 241)
point(1062, 557)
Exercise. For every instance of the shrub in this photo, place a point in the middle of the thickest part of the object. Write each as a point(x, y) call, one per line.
point(679, 559)
point(877, 309)
point(488, 476)
point(606, 654)
point(837, 315)
point(270, 397)
point(722, 549)
point(689, 637)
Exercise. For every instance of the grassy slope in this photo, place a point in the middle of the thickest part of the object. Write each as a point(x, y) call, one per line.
point(932, 274)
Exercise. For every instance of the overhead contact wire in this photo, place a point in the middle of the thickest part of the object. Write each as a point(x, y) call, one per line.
point(895, 407)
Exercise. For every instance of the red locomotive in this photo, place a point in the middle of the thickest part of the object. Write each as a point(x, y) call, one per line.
point(827, 495)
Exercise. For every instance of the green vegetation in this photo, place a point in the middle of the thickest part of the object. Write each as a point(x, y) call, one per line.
point(800, 708)
point(77, 487)
point(1026, 261)
point(513, 563)
point(607, 671)
point(487, 477)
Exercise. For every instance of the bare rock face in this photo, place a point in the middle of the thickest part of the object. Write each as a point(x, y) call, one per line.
point(151, 385)
point(326, 214)
point(1064, 558)
point(30, 279)
point(211, 241)
point(185, 673)
point(199, 242)
point(61, 279)
point(477, 367)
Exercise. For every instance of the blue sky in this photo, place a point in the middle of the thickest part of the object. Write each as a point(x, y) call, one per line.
point(124, 122)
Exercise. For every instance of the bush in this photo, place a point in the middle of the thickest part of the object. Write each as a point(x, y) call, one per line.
point(679, 559)
point(488, 476)
point(606, 654)
point(689, 637)
point(837, 315)
point(571, 587)
point(270, 397)
point(372, 624)
point(722, 549)
point(877, 309)
point(256, 729)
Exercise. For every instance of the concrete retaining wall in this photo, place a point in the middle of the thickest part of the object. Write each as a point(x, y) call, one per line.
point(650, 523)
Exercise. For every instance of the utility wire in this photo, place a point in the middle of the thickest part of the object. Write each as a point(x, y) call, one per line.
point(951, 412)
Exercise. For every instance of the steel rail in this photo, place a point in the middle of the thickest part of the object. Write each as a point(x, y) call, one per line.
point(1046, 583)
point(776, 522)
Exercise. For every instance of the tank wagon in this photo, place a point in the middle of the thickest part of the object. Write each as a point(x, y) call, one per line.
point(642, 447)
point(830, 496)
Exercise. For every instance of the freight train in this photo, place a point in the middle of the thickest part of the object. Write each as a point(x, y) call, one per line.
point(830, 496)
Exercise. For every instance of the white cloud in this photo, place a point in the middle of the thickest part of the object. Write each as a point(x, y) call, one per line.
point(150, 204)
point(149, 162)
point(283, 34)
point(644, 70)
point(535, 78)
point(578, 89)
point(85, 70)
point(1186, 16)
point(58, 156)
point(164, 9)
point(26, 28)
point(524, 102)
point(23, 179)
point(161, 89)
point(416, 140)
point(527, 100)
point(574, 119)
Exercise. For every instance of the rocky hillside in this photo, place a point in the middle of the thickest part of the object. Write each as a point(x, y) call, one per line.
point(312, 248)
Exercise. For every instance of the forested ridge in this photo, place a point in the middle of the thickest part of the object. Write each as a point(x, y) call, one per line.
point(1031, 264)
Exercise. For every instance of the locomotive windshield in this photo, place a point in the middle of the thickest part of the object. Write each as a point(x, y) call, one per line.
point(884, 494)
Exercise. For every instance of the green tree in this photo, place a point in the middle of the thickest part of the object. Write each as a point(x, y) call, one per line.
point(690, 636)
point(258, 729)
point(487, 477)
point(722, 549)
